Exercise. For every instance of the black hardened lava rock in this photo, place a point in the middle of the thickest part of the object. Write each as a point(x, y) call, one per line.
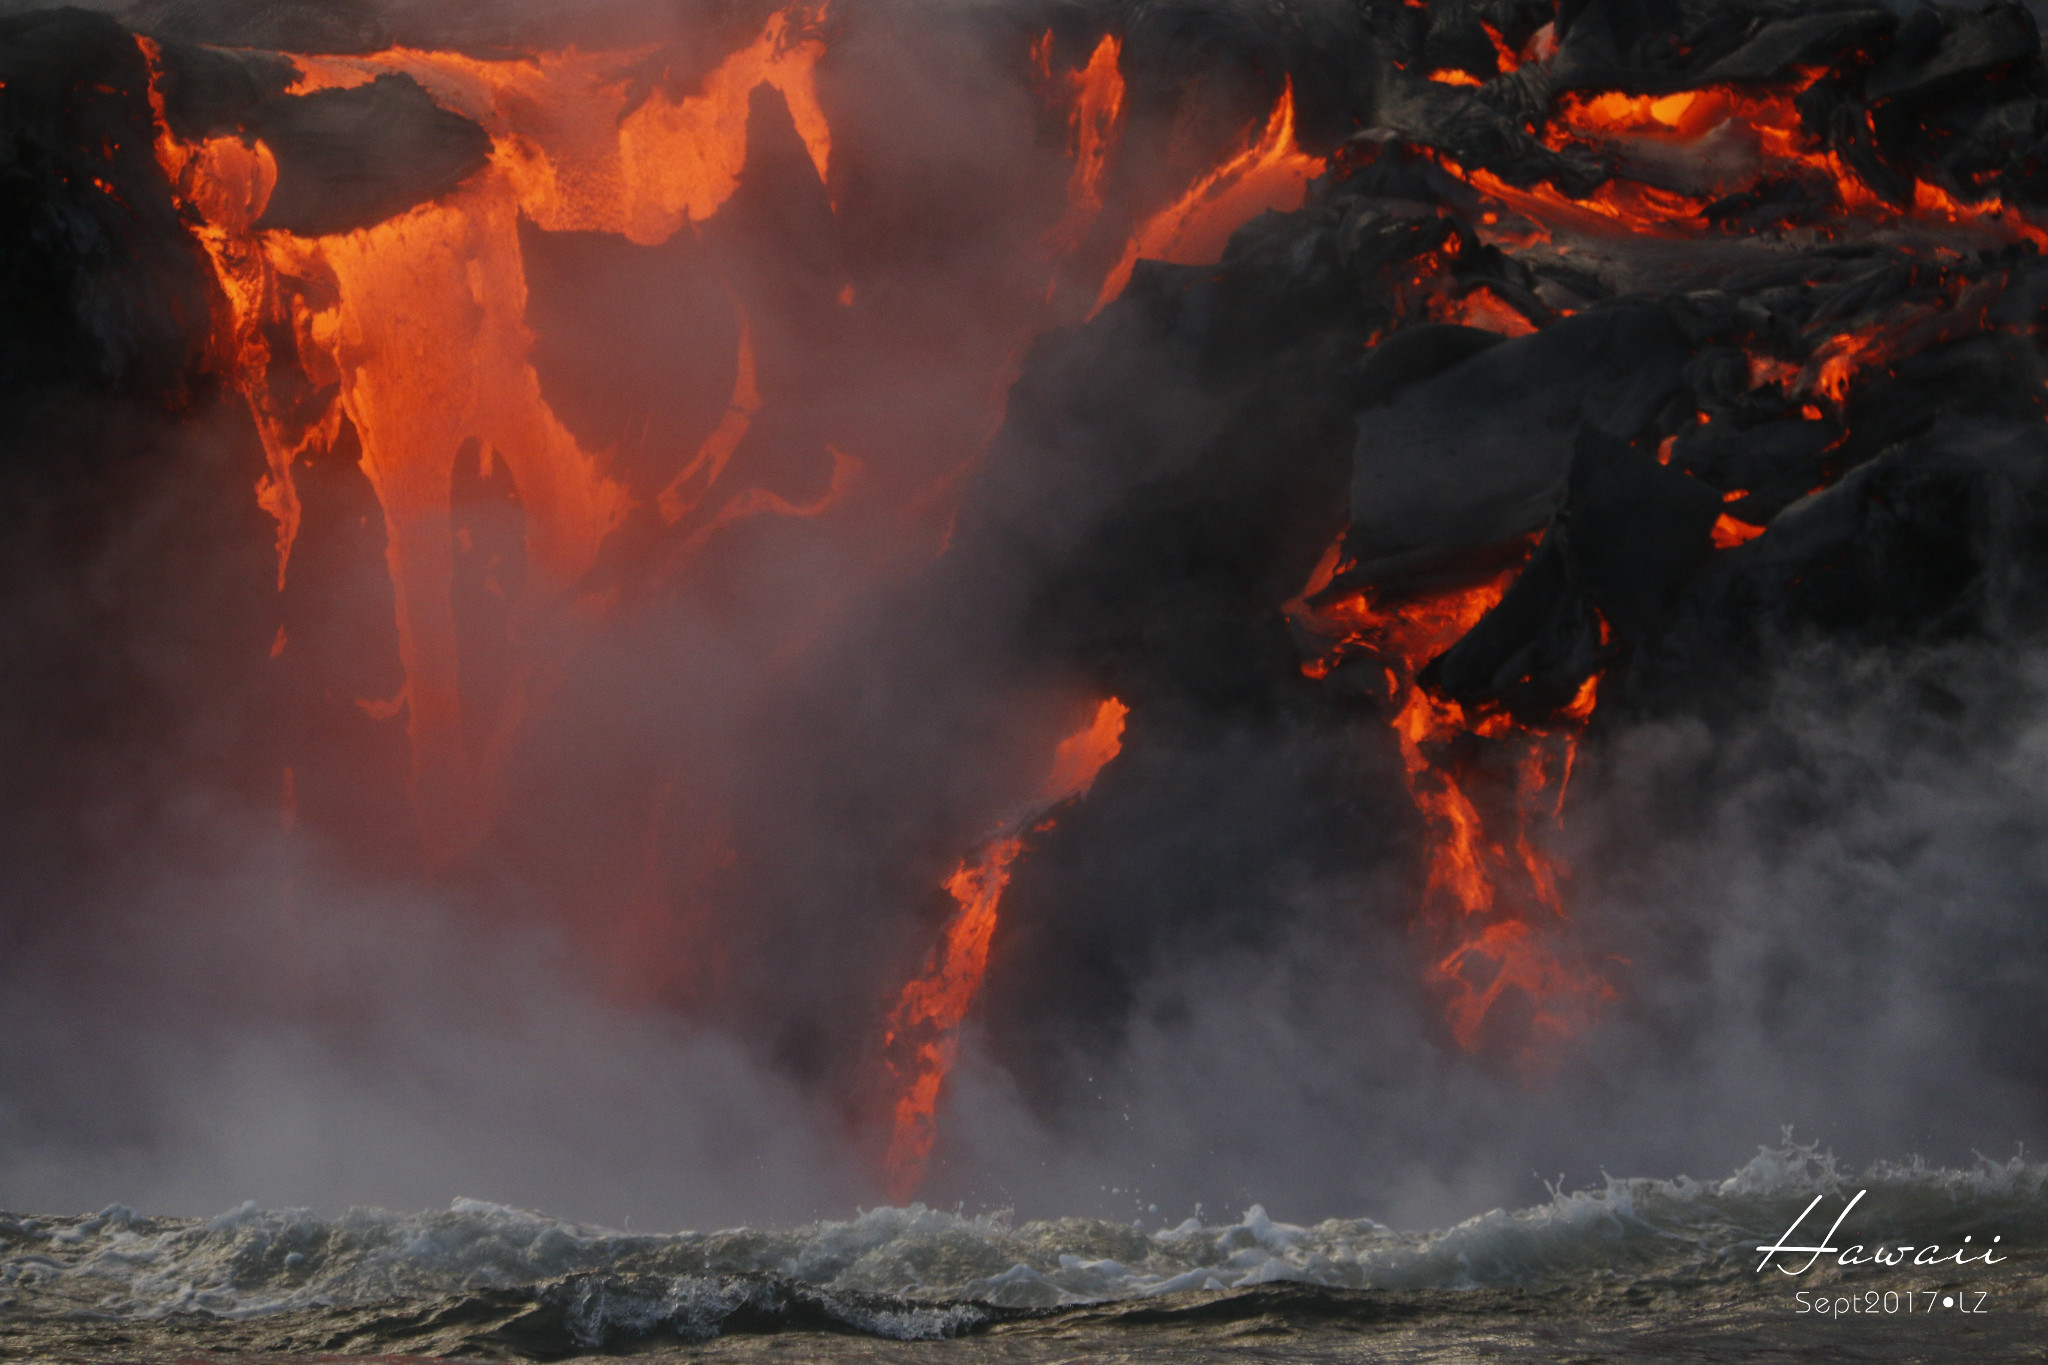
point(276, 25)
point(352, 158)
point(137, 577)
point(209, 91)
point(99, 281)
point(1864, 409)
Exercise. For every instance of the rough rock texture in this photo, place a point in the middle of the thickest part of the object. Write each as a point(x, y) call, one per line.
point(278, 25)
point(351, 158)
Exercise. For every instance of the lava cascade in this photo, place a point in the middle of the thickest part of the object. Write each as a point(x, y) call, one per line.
point(1488, 788)
point(410, 338)
point(419, 325)
point(417, 329)
point(1095, 99)
point(1489, 791)
point(923, 1031)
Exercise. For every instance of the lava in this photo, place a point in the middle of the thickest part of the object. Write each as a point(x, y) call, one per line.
point(418, 326)
point(1271, 173)
point(1729, 533)
point(1089, 100)
point(1094, 127)
point(1736, 140)
point(1484, 309)
point(588, 149)
point(686, 491)
point(1487, 789)
point(924, 1025)
point(410, 340)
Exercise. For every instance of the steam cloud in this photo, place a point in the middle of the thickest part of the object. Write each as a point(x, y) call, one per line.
point(1821, 905)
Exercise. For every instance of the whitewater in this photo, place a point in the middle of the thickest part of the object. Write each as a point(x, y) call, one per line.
point(918, 1273)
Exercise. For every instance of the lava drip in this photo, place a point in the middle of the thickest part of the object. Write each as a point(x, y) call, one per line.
point(1490, 791)
point(923, 1033)
point(1095, 99)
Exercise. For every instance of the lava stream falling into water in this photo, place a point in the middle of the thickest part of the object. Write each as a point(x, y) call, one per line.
point(417, 329)
point(924, 1025)
point(1486, 788)
point(1271, 173)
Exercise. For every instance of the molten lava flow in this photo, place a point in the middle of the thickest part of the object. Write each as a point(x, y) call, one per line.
point(416, 328)
point(589, 149)
point(1095, 123)
point(924, 1026)
point(1506, 58)
point(1271, 173)
point(1082, 755)
point(1729, 533)
point(1734, 144)
point(1094, 99)
point(755, 502)
point(686, 491)
point(1736, 138)
point(932, 1007)
point(1491, 898)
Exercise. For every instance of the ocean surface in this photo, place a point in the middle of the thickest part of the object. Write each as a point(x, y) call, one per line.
point(486, 1281)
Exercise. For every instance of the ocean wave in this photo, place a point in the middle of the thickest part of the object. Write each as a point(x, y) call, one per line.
point(920, 1273)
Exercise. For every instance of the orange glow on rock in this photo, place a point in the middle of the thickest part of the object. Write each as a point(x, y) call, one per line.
point(1729, 533)
point(1491, 907)
point(1271, 173)
point(1486, 310)
point(1730, 125)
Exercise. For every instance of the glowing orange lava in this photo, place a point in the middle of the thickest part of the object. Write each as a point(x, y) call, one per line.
point(1271, 173)
point(1486, 310)
point(924, 1026)
point(1094, 100)
point(418, 324)
point(686, 491)
point(588, 148)
point(1506, 59)
point(1729, 533)
point(1727, 126)
point(1490, 905)
point(1095, 122)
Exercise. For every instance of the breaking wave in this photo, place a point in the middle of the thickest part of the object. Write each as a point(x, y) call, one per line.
point(919, 1273)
